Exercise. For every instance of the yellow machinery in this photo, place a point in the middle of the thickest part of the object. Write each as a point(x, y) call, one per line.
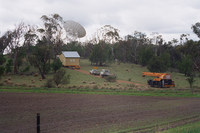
point(162, 80)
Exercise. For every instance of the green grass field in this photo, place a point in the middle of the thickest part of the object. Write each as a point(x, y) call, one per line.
point(71, 90)
point(133, 72)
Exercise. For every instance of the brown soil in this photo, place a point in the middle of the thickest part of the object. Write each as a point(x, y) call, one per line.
point(128, 82)
point(83, 71)
point(61, 113)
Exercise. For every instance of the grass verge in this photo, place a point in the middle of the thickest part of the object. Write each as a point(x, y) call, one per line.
point(188, 128)
point(168, 93)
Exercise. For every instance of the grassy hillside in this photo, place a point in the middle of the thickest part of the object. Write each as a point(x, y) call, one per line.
point(124, 71)
point(133, 72)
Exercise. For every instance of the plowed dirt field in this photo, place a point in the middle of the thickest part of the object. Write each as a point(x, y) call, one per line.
point(65, 113)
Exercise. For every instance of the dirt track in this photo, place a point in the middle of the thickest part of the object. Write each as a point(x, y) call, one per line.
point(118, 81)
point(63, 113)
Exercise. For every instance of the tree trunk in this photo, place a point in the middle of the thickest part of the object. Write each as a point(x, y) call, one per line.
point(15, 69)
point(135, 56)
point(41, 73)
point(192, 89)
point(100, 63)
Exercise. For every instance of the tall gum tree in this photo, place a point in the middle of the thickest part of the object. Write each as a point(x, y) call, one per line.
point(15, 40)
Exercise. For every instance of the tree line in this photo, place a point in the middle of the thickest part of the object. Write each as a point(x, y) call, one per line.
point(35, 46)
point(138, 49)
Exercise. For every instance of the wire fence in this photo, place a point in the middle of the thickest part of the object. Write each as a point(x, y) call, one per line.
point(45, 127)
point(65, 124)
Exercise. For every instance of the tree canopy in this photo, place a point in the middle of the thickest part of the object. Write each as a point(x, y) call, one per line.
point(39, 46)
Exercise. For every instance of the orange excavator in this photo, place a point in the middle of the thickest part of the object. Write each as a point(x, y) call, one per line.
point(163, 80)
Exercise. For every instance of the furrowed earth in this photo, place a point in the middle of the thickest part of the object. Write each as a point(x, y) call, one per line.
point(61, 113)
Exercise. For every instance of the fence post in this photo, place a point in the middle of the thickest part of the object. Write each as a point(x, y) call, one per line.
point(38, 123)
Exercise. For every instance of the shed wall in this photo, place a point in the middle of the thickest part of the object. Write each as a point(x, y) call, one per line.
point(72, 61)
point(69, 61)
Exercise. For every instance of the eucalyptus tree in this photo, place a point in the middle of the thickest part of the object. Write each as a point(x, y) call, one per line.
point(196, 29)
point(39, 57)
point(30, 40)
point(107, 33)
point(101, 53)
point(140, 39)
point(183, 38)
point(196, 45)
point(14, 44)
point(52, 32)
point(2, 61)
point(4, 41)
point(103, 41)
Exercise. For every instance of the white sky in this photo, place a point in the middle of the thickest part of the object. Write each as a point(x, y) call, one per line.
point(169, 18)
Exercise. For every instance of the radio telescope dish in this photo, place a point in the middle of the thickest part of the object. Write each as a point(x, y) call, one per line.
point(74, 29)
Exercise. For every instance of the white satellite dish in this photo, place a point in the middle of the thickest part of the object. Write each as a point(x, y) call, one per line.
point(74, 29)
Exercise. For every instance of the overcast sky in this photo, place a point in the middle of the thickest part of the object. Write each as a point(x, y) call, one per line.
point(169, 18)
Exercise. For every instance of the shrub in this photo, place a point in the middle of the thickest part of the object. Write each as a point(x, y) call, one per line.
point(66, 79)
point(185, 65)
point(2, 59)
point(191, 81)
point(26, 69)
point(49, 83)
point(47, 69)
point(2, 69)
point(145, 54)
point(9, 66)
point(56, 65)
point(159, 63)
point(95, 87)
point(156, 64)
point(111, 78)
point(59, 77)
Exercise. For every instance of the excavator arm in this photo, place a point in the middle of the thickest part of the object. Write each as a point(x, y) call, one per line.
point(153, 74)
